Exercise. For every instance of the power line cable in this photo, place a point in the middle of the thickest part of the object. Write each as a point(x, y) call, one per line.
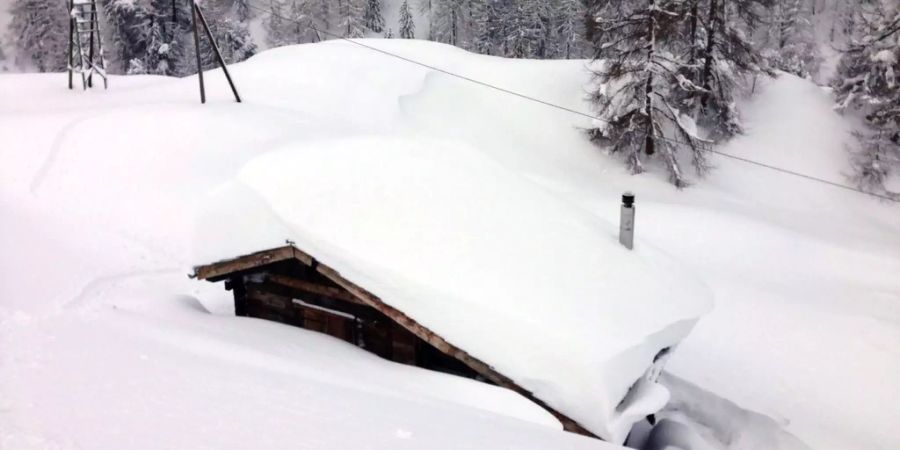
point(309, 25)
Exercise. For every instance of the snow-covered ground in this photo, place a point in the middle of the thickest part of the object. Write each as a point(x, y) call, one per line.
point(106, 199)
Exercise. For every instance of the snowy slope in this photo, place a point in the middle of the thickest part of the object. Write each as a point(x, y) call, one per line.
point(101, 235)
point(107, 344)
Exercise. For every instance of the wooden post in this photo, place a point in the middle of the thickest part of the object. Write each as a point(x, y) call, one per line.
point(71, 41)
point(197, 50)
point(91, 42)
point(215, 48)
point(240, 295)
point(100, 45)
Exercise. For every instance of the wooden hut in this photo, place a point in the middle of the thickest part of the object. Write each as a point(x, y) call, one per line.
point(288, 285)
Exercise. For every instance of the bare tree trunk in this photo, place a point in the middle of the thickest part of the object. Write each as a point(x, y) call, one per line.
point(693, 57)
point(649, 142)
point(710, 43)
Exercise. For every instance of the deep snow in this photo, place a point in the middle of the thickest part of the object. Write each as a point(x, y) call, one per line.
point(99, 238)
point(488, 260)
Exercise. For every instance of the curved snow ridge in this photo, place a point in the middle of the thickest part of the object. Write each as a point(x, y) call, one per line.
point(488, 259)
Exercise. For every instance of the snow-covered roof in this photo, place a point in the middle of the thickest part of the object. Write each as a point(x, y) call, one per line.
point(519, 278)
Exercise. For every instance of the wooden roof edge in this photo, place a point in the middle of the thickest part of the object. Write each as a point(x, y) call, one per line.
point(221, 269)
point(443, 345)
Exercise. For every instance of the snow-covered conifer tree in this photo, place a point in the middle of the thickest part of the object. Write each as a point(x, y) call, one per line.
point(296, 31)
point(448, 21)
point(791, 43)
point(39, 34)
point(868, 83)
point(232, 36)
point(276, 27)
point(407, 24)
point(351, 21)
point(373, 16)
point(529, 30)
point(129, 26)
point(241, 10)
point(168, 38)
point(639, 84)
point(321, 14)
point(567, 33)
point(723, 60)
point(428, 9)
point(156, 58)
point(486, 27)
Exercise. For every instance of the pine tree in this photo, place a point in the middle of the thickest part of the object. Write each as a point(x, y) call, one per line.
point(168, 38)
point(297, 32)
point(129, 25)
point(373, 17)
point(868, 83)
point(39, 34)
point(567, 29)
point(351, 21)
point(526, 29)
point(727, 59)
point(242, 10)
point(321, 14)
point(487, 27)
point(791, 42)
point(231, 36)
point(447, 21)
point(407, 25)
point(2, 57)
point(276, 27)
point(427, 8)
point(155, 59)
point(639, 86)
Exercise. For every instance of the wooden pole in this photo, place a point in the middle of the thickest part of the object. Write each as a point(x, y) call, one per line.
point(194, 10)
point(100, 47)
point(240, 296)
point(215, 47)
point(91, 45)
point(71, 41)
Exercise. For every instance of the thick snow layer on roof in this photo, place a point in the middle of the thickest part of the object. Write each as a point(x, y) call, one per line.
point(494, 263)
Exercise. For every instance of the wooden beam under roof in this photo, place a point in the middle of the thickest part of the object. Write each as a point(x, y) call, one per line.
point(221, 270)
point(314, 288)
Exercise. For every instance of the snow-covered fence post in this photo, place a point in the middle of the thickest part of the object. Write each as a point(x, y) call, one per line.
point(626, 221)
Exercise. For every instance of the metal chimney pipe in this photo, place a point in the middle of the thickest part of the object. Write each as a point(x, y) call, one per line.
point(626, 221)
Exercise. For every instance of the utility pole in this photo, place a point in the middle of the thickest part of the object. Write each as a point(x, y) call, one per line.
point(196, 14)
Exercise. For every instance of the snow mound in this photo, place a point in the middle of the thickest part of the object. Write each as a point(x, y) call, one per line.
point(491, 261)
